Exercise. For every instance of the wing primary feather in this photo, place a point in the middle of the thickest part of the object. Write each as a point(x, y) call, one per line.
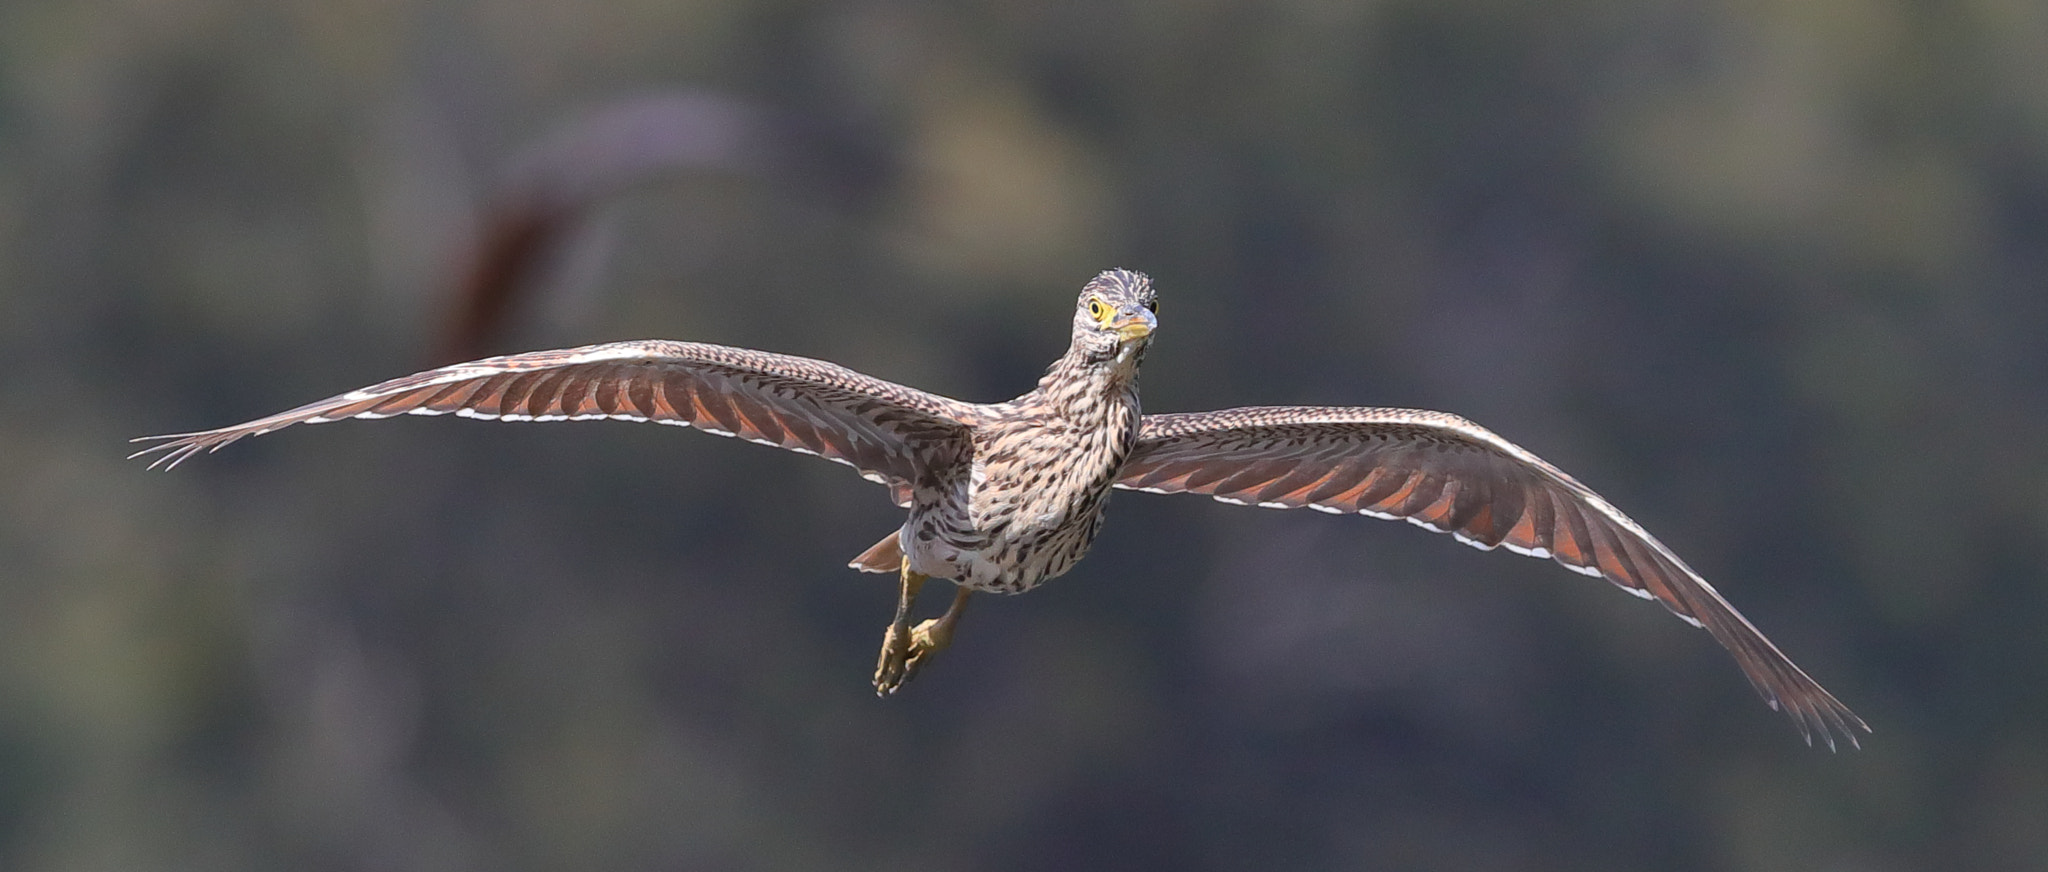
point(757, 420)
point(517, 388)
point(1471, 509)
point(712, 408)
point(1574, 546)
point(544, 398)
point(1425, 490)
point(1252, 477)
point(1292, 487)
point(1342, 479)
point(1385, 483)
point(1208, 473)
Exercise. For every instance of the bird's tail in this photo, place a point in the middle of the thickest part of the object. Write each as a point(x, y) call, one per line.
point(885, 556)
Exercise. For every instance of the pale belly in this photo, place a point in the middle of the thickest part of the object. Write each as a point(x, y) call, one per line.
point(1008, 532)
point(1005, 553)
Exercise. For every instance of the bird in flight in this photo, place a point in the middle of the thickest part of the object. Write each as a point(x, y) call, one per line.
point(1005, 496)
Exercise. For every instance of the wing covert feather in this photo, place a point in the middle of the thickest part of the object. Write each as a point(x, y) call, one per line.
point(1449, 475)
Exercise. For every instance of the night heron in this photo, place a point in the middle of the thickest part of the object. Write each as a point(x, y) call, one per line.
point(1004, 496)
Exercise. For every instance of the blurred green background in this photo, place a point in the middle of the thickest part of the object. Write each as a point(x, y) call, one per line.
point(1771, 276)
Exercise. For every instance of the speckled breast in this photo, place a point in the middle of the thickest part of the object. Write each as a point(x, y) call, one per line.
point(1025, 512)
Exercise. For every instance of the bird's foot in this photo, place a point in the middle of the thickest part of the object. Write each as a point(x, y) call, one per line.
point(906, 649)
point(893, 667)
point(927, 639)
point(904, 653)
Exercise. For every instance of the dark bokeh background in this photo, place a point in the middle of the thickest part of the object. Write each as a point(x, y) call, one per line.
point(1770, 276)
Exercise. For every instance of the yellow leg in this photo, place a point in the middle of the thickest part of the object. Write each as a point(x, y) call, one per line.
point(890, 669)
point(906, 649)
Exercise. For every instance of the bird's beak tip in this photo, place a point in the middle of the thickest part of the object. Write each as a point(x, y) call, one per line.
point(1136, 326)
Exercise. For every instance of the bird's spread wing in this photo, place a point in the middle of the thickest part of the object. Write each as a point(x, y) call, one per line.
point(1452, 476)
point(885, 430)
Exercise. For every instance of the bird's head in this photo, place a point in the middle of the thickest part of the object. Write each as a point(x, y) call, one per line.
point(1114, 319)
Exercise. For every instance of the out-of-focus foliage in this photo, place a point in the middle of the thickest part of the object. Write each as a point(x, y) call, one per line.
point(1774, 277)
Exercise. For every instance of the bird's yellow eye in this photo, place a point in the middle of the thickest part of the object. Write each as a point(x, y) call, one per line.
point(1099, 310)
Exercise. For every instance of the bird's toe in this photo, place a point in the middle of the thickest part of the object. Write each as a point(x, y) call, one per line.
point(893, 668)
